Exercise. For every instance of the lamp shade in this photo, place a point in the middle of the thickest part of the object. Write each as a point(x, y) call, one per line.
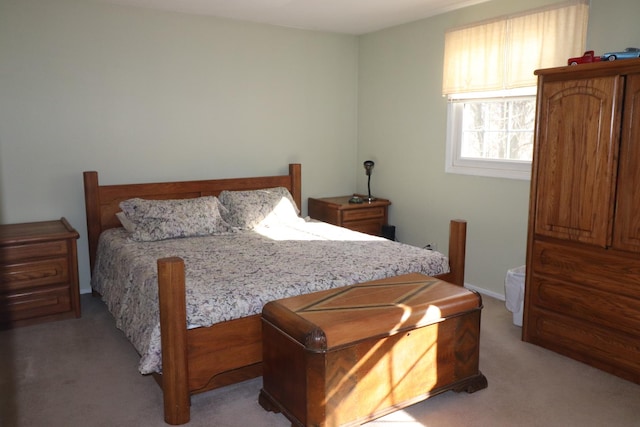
point(368, 166)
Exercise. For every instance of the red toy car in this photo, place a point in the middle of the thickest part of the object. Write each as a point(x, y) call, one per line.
point(587, 57)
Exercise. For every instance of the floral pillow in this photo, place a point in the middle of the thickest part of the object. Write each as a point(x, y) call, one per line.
point(247, 209)
point(128, 225)
point(166, 219)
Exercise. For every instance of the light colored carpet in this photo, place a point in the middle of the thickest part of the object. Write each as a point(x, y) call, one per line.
point(82, 372)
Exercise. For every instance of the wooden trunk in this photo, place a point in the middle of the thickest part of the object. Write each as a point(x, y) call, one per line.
point(348, 355)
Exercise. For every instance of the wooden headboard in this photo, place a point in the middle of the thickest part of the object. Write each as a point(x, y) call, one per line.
point(102, 201)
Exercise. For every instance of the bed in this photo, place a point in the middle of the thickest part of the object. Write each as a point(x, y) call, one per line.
point(196, 356)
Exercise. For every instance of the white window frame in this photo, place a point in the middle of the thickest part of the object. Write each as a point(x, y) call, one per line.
point(498, 168)
point(500, 55)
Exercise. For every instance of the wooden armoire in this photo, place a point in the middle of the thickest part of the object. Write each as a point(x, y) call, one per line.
point(582, 288)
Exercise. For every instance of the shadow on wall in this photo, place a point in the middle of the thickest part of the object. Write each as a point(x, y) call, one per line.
point(2, 213)
point(8, 404)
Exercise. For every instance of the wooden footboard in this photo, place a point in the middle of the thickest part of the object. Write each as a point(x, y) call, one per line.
point(202, 359)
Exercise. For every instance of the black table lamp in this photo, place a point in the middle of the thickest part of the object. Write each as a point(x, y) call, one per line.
point(368, 166)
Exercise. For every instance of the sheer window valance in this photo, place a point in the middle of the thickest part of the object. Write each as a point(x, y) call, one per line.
point(503, 53)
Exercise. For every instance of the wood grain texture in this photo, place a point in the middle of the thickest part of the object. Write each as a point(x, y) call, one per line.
point(38, 273)
point(366, 217)
point(387, 344)
point(582, 290)
point(627, 231)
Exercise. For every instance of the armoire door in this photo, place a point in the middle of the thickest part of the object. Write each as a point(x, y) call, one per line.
point(626, 229)
point(576, 150)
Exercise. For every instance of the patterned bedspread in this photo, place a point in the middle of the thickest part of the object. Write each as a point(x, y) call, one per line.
point(232, 276)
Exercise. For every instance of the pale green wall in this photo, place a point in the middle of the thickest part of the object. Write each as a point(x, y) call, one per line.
point(402, 126)
point(143, 95)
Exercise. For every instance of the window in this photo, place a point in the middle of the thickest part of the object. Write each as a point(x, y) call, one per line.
point(490, 86)
point(491, 134)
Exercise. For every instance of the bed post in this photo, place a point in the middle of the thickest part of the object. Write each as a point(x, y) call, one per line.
point(296, 183)
point(173, 332)
point(457, 250)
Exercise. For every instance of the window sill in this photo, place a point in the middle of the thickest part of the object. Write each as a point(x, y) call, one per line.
point(518, 171)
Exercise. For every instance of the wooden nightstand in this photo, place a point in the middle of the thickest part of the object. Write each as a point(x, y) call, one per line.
point(367, 217)
point(39, 272)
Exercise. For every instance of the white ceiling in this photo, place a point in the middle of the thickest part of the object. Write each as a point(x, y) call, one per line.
point(340, 16)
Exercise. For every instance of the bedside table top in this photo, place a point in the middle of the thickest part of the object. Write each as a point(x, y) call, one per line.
point(342, 202)
point(36, 231)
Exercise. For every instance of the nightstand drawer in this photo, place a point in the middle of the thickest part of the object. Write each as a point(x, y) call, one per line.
point(372, 227)
point(34, 304)
point(10, 254)
point(365, 213)
point(34, 273)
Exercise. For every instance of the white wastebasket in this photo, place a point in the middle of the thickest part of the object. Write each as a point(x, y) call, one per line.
point(514, 293)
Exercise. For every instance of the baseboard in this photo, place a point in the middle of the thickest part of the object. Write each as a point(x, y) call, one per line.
point(486, 292)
